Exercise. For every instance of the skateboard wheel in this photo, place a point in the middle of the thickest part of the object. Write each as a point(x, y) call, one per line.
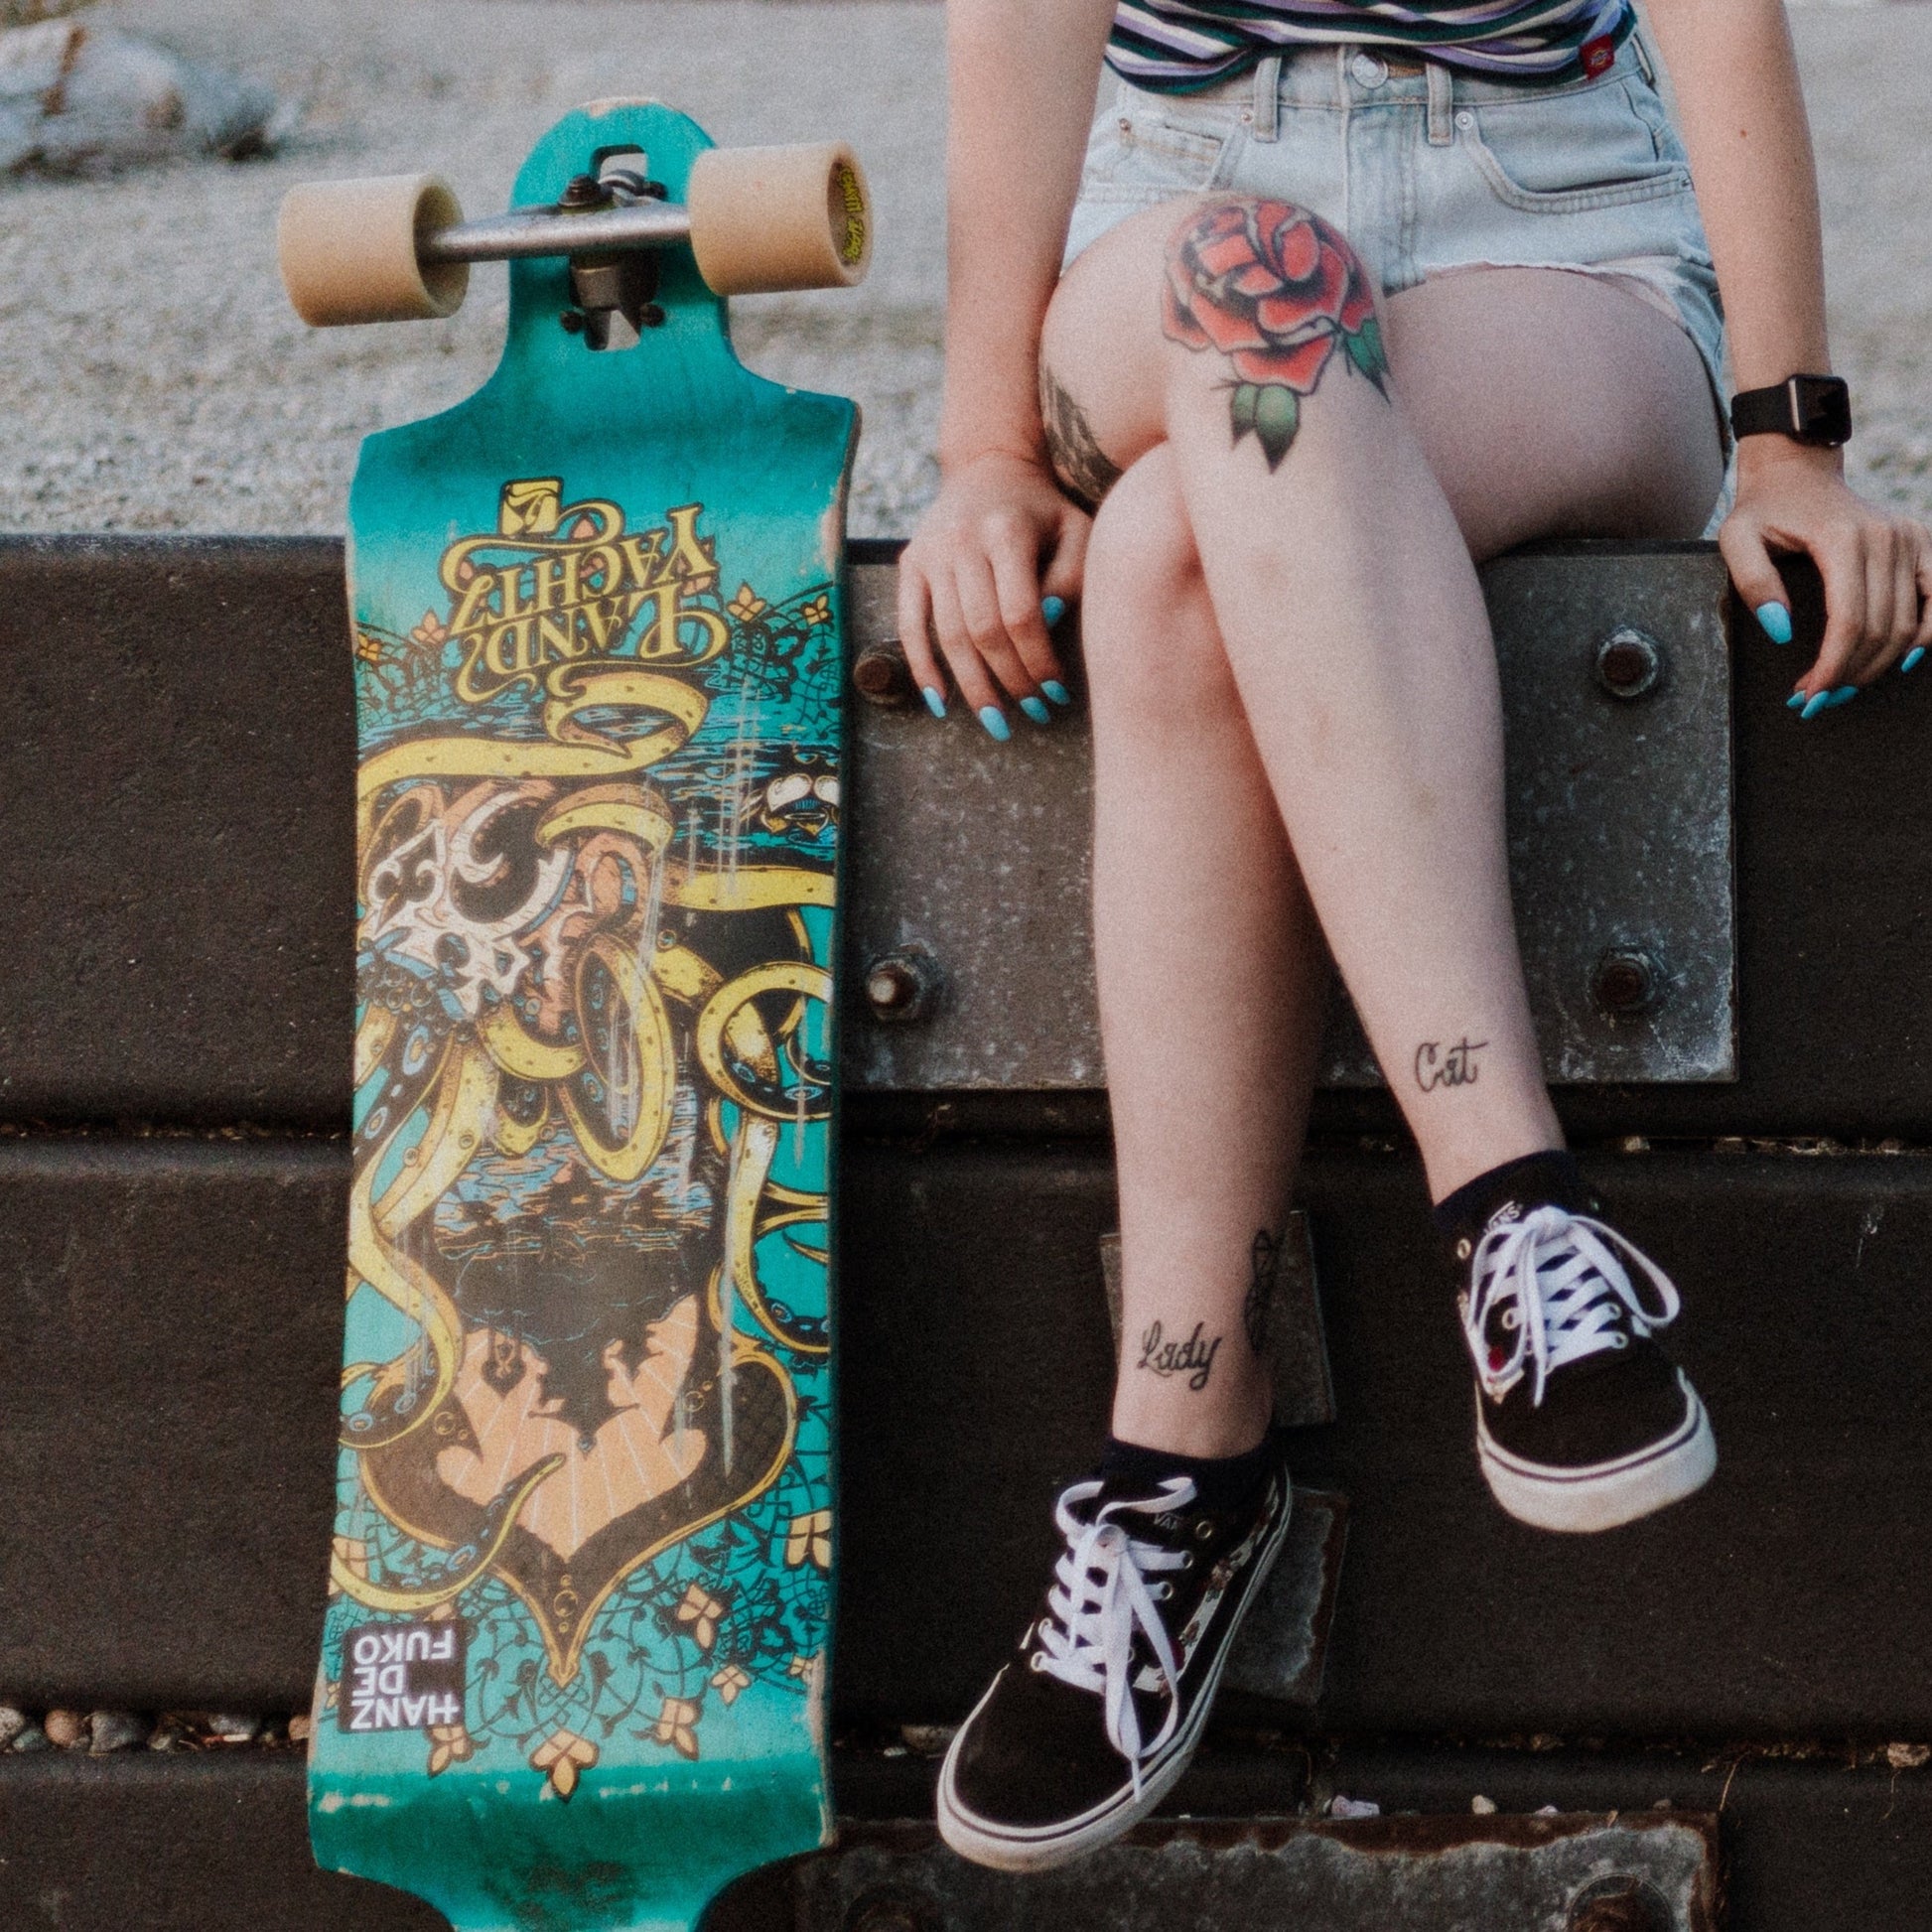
point(769, 218)
point(348, 250)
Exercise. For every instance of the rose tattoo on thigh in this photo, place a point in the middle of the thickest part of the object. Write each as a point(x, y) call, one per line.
point(1277, 291)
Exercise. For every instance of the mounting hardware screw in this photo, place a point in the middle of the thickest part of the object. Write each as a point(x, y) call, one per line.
point(882, 674)
point(1619, 1905)
point(1629, 662)
point(903, 985)
point(583, 191)
point(891, 1908)
point(572, 322)
point(1627, 981)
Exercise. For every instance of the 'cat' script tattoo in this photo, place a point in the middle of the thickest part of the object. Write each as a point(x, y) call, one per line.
point(1264, 1264)
point(1277, 291)
point(1080, 463)
point(1450, 1066)
point(1193, 1358)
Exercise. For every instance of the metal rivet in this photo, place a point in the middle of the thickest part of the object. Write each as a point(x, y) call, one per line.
point(905, 984)
point(1466, 119)
point(882, 674)
point(1627, 981)
point(1629, 662)
point(1619, 1905)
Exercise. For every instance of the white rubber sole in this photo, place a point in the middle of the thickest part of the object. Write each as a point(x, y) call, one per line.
point(1011, 1848)
point(1606, 1494)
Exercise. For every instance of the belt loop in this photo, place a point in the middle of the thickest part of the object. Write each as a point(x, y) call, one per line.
point(1645, 66)
point(1268, 97)
point(1442, 125)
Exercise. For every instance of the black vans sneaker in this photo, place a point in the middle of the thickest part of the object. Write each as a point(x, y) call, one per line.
point(1085, 1732)
point(1582, 1422)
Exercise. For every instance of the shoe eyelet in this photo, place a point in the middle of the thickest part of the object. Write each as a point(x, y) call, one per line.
point(1204, 1532)
point(1187, 1558)
point(1464, 1249)
point(1037, 1661)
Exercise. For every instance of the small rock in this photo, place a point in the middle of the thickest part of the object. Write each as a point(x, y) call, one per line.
point(299, 1729)
point(12, 1724)
point(1482, 1807)
point(68, 1730)
point(32, 1738)
point(171, 1733)
point(78, 100)
point(1546, 1811)
point(233, 1731)
point(930, 1740)
point(116, 1731)
point(1908, 1758)
point(1341, 1807)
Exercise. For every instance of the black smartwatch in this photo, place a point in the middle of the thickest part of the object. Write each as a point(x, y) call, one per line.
point(1807, 408)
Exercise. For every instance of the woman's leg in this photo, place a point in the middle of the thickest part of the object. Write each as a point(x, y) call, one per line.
point(1210, 1048)
point(1214, 983)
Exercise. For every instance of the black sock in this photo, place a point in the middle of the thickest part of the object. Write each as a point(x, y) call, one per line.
point(1548, 1179)
point(1222, 1483)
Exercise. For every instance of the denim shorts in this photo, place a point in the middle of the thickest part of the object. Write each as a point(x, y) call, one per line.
point(1428, 170)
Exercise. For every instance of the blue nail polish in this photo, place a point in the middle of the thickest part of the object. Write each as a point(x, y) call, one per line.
point(993, 718)
point(1057, 691)
point(1795, 700)
point(1035, 709)
point(1813, 706)
point(1912, 657)
point(934, 700)
point(1776, 622)
point(1845, 694)
point(1052, 609)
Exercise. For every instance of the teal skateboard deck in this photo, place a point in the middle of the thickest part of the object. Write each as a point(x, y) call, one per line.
point(575, 1664)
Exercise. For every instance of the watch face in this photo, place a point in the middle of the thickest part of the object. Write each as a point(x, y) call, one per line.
point(1822, 405)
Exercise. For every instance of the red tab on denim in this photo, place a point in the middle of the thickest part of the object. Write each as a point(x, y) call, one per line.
point(1598, 54)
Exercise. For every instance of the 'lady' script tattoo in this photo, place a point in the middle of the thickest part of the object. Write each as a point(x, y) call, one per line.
point(1193, 1358)
point(1453, 1066)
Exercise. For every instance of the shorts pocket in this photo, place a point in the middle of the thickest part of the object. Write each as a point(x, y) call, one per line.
point(1561, 153)
point(1149, 154)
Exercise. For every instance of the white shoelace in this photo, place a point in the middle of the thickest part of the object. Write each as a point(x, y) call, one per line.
point(1099, 1600)
point(1555, 1281)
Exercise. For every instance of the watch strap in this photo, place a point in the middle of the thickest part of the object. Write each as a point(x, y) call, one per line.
point(1815, 409)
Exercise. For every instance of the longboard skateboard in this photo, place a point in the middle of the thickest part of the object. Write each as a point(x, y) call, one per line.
point(574, 1669)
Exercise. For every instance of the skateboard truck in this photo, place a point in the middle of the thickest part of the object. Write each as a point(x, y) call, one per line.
point(397, 248)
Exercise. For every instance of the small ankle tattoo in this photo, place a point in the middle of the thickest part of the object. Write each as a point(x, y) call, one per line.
point(1193, 1358)
point(1264, 1264)
point(1439, 1066)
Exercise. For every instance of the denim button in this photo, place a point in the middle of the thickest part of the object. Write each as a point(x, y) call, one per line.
point(1464, 120)
point(1368, 70)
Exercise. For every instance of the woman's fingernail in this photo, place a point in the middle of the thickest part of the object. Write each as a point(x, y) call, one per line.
point(1845, 694)
point(1035, 709)
point(1057, 691)
point(1813, 705)
point(1775, 621)
point(1912, 657)
point(993, 718)
point(935, 701)
point(1793, 702)
point(1053, 610)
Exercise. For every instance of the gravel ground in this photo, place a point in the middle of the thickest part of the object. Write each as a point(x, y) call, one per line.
point(153, 379)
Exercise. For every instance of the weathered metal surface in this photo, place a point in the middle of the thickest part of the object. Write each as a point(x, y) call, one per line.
point(1298, 1354)
point(1380, 1874)
point(1616, 686)
point(1282, 1652)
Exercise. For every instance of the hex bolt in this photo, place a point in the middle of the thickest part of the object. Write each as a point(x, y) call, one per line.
point(891, 1908)
point(1620, 1906)
point(583, 191)
point(883, 676)
point(1627, 981)
point(1629, 664)
point(903, 985)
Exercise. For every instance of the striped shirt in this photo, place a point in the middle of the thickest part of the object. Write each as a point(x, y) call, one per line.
point(1179, 45)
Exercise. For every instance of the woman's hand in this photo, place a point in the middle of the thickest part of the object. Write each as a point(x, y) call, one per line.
point(1877, 569)
point(973, 576)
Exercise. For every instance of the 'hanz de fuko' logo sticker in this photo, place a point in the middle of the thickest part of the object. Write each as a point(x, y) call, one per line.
point(401, 1676)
